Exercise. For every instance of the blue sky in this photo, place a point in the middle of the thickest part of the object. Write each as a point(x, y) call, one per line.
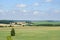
point(29, 9)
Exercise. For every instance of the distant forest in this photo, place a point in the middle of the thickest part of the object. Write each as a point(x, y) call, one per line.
point(33, 23)
point(6, 21)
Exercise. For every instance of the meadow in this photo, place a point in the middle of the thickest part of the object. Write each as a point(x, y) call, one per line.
point(46, 23)
point(31, 33)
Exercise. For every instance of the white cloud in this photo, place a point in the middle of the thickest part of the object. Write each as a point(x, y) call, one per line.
point(48, 0)
point(1, 11)
point(24, 11)
point(21, 5)
point(13, 12)
point(36, 12)
point(36, 4)
point(7, 10)
point(56, 11)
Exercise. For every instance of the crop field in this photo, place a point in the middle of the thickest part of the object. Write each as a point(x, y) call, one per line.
point(45, 22)
point(31, 33)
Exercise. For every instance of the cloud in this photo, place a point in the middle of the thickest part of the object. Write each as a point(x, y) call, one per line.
point(13, 12)
point(36, 12)
point(21, 5)
point(1, 11)
point(48, 0)
point(36, 4)
point(56, 11)
point(24, 11)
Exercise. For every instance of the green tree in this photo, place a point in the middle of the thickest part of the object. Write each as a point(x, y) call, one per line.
point(12, 32)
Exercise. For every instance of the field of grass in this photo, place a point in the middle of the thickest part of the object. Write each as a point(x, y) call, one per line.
point(32, 33)
point(46, 22)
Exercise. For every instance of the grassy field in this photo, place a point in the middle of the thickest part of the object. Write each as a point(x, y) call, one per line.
point(32, 33)
point(46, 22)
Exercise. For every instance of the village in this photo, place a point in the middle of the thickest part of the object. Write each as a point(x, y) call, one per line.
point(13, 24)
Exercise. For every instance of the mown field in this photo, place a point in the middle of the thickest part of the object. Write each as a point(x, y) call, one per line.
point(46, 22)
point(32, 33)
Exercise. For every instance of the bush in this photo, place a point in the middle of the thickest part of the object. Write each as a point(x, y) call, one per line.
point(57, 25)
point(9, 38)
point(43, 24)
point(10, 26)
point(46, 24)
point(1, 26)
point(12, 32)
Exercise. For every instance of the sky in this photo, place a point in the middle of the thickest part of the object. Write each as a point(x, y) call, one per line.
point(29, 9)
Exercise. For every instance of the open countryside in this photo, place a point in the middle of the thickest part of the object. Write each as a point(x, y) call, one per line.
point(29, 19)
point(31, 32)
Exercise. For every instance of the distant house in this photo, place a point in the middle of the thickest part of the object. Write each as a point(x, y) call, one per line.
point(19, 23)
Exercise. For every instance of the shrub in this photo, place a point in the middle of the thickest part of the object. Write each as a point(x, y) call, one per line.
point(1, 26)
point(9, 38)
point(10, 26)
point(12, 32)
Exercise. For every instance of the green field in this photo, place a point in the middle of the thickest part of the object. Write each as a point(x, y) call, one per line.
point(45, 22)
point(32, 33)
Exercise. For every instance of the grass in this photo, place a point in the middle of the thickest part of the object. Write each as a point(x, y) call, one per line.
point(32, 33)
point(46, 22)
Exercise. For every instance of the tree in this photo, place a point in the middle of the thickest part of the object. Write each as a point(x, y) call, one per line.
point(12, 32)
point(29, 22)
